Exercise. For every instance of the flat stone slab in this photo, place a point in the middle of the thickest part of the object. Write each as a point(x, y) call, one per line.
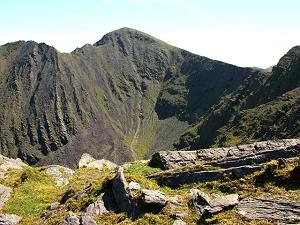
point(270, 209)
point(176, 159)
point(205, 205)
point(258, 158)
point(154, 197)
point(194, 176)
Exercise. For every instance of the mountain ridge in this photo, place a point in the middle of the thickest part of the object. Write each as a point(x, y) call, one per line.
point(127, 96)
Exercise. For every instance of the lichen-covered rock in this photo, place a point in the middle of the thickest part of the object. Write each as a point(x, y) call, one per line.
point(280, 210)
point(4, 194)
point(9, 219)
point(154, 197)
point(88, 161)
point(205, 205)
point(61, 174)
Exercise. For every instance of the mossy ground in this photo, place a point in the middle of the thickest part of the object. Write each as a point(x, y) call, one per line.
point(34, 191)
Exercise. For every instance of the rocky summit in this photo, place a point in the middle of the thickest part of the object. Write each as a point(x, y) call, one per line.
point(130, 95)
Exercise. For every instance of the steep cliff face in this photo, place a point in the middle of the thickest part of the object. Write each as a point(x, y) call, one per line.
point(130, 94)
point(262, 107)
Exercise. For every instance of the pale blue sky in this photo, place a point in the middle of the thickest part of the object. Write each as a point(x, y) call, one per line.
point(245, 33)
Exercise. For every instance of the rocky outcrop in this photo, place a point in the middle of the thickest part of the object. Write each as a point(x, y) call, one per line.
point(9, 219)
point(153, 197)
point(122, 194)
point(270, 209)
point(60, 174)
point(205, 205)
point(88, 161)
point(4, 194)
point(263, 150)
point(175, 179)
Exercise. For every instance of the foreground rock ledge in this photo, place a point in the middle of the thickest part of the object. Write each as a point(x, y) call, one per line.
point(194, 176)
point(176, 159)
point(270, 209)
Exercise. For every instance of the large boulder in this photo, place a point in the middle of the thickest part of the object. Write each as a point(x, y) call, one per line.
point(4, 194)
point(205, 205)
point(153, 197)
point(176, 159)
point(60, 174)
point(9, 219)
point(280, 210)
point(88, 161)
point(122, 194)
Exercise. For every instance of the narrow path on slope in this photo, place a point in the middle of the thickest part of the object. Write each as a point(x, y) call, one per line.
point(136, 134)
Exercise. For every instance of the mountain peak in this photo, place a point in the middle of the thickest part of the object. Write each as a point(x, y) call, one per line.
point(126, 33)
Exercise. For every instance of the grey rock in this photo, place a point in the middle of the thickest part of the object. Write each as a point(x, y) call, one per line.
point(4, 194)
point(11, 164)
point(176, 179)
point(134, 186)
point(86, 220)
point(61, 174)
point(224, 201)
point(154, 197)
point(54, 206)
point(270, 209)
point(205, 205)
point(176, 159)
point(89, 162)
point(259, 157)
point(97, 208)
point(71, 219)
point(9, 219)
point(179, 222)
point(122, 194)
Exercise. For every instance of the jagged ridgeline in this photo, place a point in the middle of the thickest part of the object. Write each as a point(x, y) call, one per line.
point(130, 94)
